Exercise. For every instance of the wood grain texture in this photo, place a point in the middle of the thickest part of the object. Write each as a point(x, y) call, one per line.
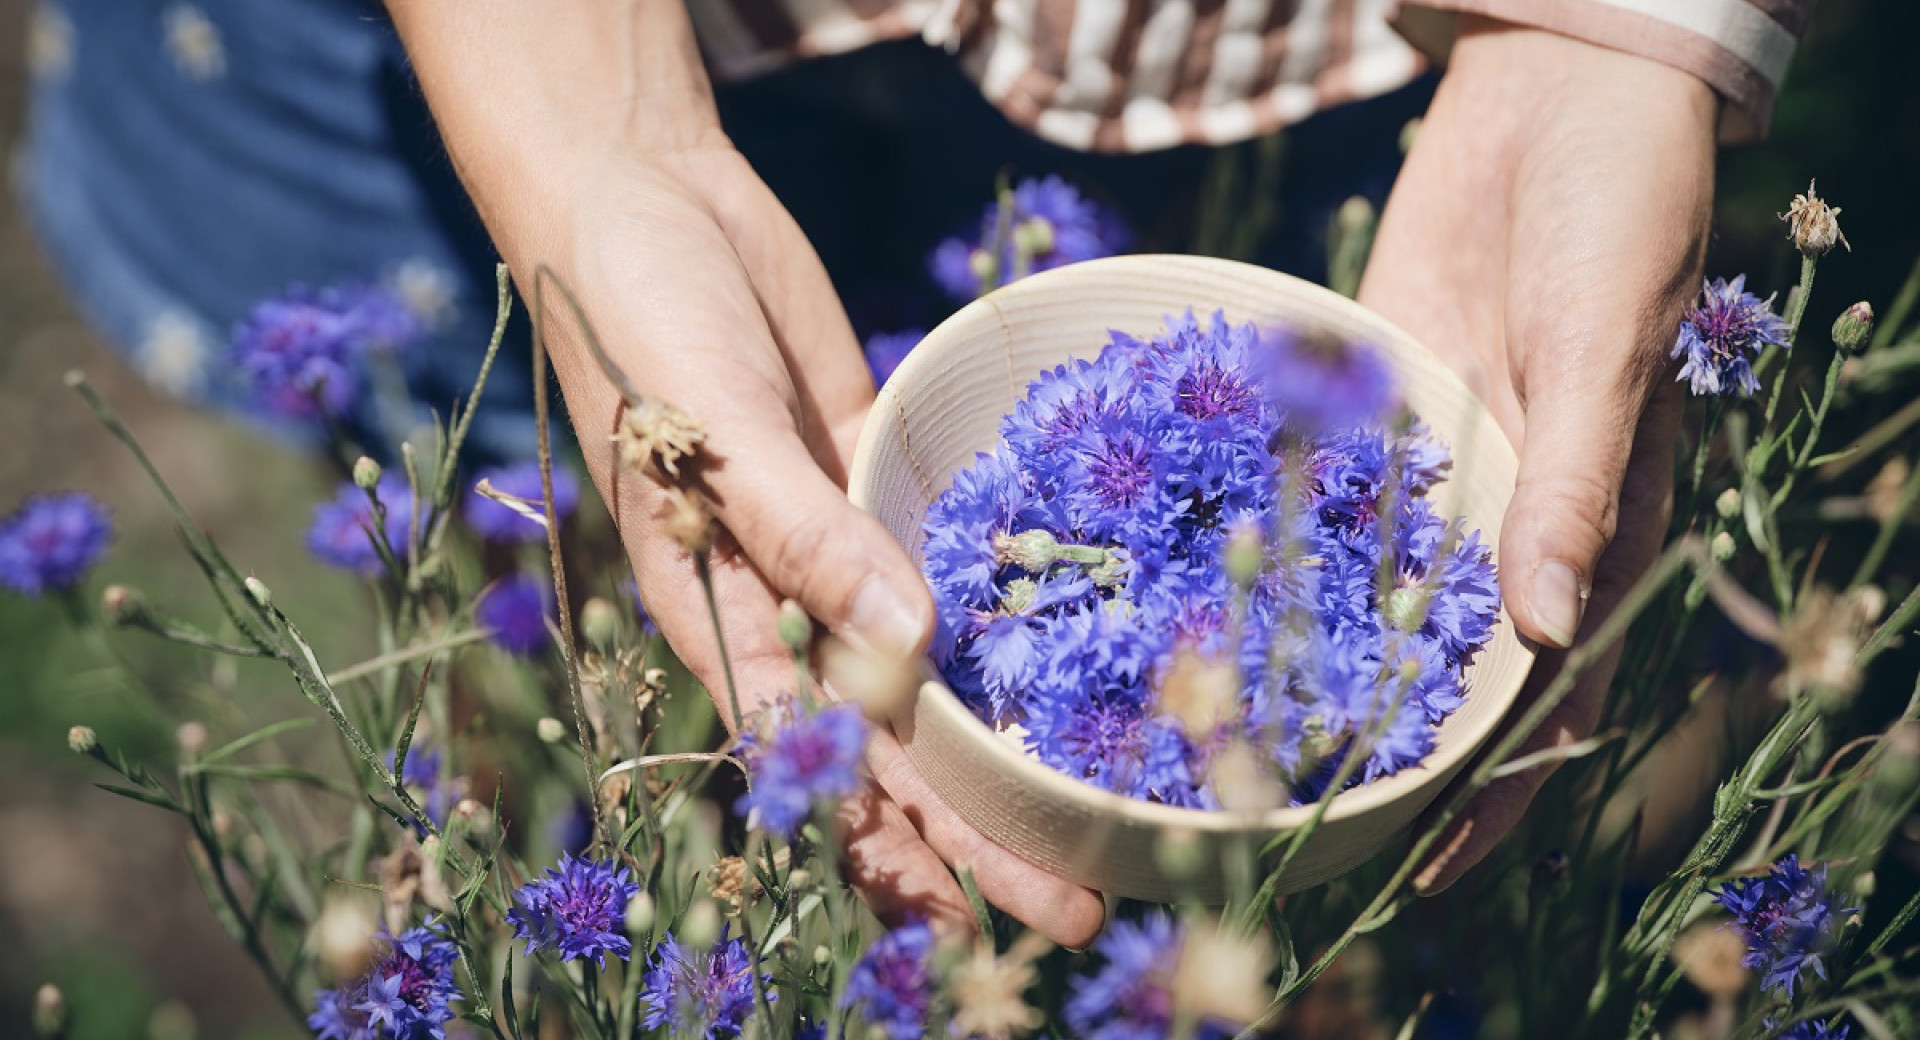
point(944, 405)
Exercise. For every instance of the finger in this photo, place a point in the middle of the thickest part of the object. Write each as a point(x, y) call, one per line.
point(1064, 912)
point(1647, 500)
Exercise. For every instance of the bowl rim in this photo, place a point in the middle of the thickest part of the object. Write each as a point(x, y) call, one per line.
point(929, 357)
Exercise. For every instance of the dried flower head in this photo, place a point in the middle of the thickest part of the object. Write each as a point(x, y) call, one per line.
point(1813, 225)
point(1222, 976)
point(989, 993)
point(1201, 693)
point(1821, 641)
point(1243, 780)
point(880, 685)
point(657, 432)
point(686, 520)
point(1885, 490)
point(1711, 956)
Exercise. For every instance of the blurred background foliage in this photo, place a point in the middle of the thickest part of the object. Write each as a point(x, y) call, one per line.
point(95, 892)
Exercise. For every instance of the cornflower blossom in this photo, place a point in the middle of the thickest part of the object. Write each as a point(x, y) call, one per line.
point(514, 611)
point(1788, 919)
point(797, 759)
point(499, 523)
point(885, 351)
point(301, 353)
point(1052, 223)
point(342, 530)
point(707, 993)
point(1720, 337)
point(1077, 562)
point(1811, 1029)
point(891, 986)
point(577, 910)
point(1131, 997)
point(51, 541)
point(404, 995)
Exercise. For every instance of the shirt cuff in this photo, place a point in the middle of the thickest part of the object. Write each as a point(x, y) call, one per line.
point(1739, 47)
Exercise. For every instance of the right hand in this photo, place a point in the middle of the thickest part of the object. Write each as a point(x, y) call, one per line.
point(706, 294)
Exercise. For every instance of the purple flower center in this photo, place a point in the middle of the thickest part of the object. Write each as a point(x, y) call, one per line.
point(1122, 470)
point(1209, 392)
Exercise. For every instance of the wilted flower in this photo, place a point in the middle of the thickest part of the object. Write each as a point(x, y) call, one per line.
point(577, 910)
point(405, 995)
point(655, 431)
point(1788, 920)
point(1812, 224)
point(699, 992)
point(341, 532)
point(1050, 224)
point(1821, 641)
point(1721, 336)
point(879, 684)
point(797, 758)
point(891, 986)
point(515, 611)
point(686, 520)
point(499, 523)
point(1713, 959)
point(990, 993)
point(1222, 976)
point(301, 353)
point(885, 351)
point(50, 542)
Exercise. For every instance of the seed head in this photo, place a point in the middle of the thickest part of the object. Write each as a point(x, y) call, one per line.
point(687, 521)
point(990, 993)
point(657, 432)
point(1813, 225)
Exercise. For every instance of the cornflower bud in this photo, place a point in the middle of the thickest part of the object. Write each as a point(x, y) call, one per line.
point(1179, 852)
point(122, 605)
point(82, 740)
point(1813, 225)
point(1722, 547)
point(259, 591)
point(51, 1015)
point(343, 935)
point(1245, 556)
point(1033, 236)
point(701, 926)
point(599, 622)
point(1728, 504)
point(1852, 327)
point(191, 738)
point(795, 627)
point(640, 915)
point(550, 730)
point(366, 473)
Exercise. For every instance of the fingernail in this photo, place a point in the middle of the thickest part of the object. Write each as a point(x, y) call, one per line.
point(886, 621)
point(1558, 601)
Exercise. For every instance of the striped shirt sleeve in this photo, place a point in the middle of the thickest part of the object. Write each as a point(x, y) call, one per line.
point(1739, 47)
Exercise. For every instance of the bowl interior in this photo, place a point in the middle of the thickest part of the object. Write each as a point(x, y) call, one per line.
point(944, 405)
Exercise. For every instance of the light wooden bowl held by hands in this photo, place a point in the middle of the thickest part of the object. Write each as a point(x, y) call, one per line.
point(944, 404)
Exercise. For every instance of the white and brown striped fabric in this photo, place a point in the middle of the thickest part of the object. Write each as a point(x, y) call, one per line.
point(1139, 75)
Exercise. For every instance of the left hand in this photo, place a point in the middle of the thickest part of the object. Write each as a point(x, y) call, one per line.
point(1543, 238)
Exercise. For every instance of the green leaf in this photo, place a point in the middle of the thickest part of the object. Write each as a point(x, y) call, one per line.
point(981, 915)
point(159, 801)
point(267, 733)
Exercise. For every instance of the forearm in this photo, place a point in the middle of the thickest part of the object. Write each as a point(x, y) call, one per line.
point(529, 95)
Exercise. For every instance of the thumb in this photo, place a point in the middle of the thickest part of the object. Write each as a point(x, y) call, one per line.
point(812, 544)
point(1566, 498)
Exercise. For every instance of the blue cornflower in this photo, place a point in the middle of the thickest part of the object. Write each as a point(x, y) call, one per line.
point(577, 910)
point(1131, 996)
point(1056, 224)
point(885, 351)
point(798, 758)
point(891, 986)
point(498, 523)
point(514, 611)
point(1321, 385)
point(1788, 919)
point(301, 352)
point(708, 993)
point(1721, 336)
point(341, 533)
point(50, 542)
point(1811, 1029)
point(405, 995)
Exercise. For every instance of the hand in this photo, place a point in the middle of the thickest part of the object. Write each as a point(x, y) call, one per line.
point(1544, 237)
point(706, 294)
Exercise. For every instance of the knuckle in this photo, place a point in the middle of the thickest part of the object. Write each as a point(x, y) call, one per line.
point(796, 553)
point(1579, 501)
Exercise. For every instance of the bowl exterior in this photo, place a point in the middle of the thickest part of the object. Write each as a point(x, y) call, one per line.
point(944, 405)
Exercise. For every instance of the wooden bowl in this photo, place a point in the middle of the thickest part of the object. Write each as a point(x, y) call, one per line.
point(944, 404)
